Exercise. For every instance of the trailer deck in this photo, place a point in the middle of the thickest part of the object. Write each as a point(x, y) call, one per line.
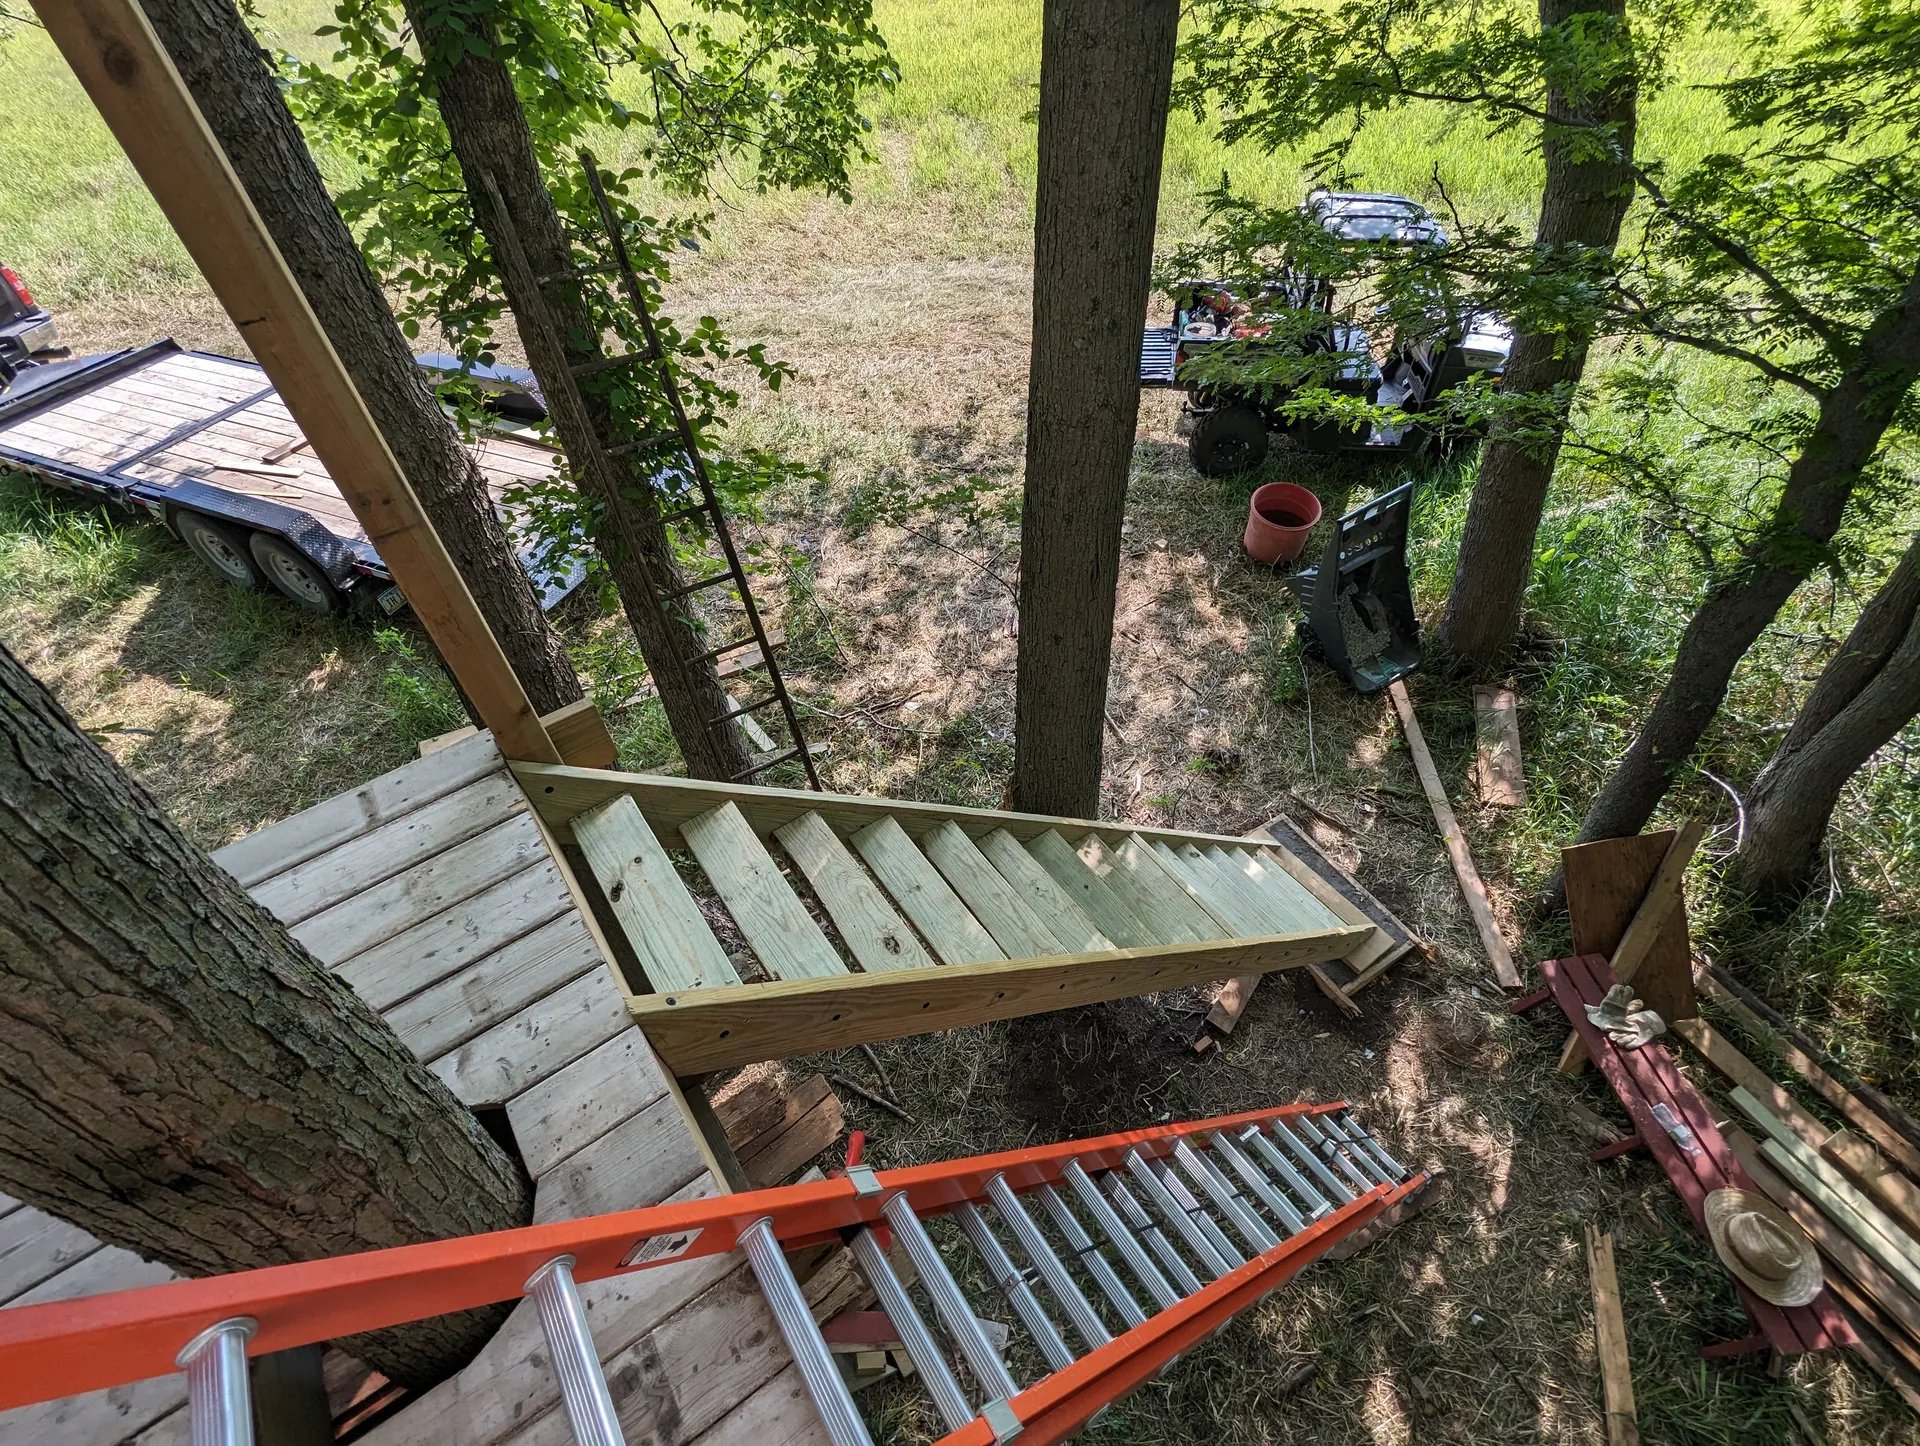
point(161, 428)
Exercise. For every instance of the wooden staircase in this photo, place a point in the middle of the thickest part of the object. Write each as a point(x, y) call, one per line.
point(867, 919)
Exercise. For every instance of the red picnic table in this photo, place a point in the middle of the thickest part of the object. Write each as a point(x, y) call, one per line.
point(1649, 1084)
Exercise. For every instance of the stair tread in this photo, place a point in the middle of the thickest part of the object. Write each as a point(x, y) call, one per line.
point(923, 895)
point(878, 937)
point(783, 934)
point(1271, 914)
point(1300, 908)
point(1072, 926)
point(1199, 891)
point(992, 900)
point(1136, 867)
point(660, 918)
point(1105, 903)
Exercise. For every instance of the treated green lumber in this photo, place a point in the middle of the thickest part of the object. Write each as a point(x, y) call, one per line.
point(1068, 922)
point(994, 902)
point(559, 793)
point(1276, 884)
point(1852, 1211)
point(878, 937)
point(1166, 908)
point(1103, 902)
point(759, 897)
point(1205, 889)
point(926, 898)
point(711, 1029)
point(1270, 911)
point(652, 905)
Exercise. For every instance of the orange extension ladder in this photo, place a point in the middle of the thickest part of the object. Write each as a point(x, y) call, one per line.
point(1203, 1219)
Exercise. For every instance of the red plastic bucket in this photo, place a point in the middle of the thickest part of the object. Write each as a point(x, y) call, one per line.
point(1279, 517)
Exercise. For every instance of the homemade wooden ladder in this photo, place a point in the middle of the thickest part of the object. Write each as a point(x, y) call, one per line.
point(943, 916)
point(1127, 1250)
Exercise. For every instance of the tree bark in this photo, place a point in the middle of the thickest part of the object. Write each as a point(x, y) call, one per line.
point(491, 138)
point(1582, 205)
point(236, 90)
point(1106, 73)
point(1865, 695)
point(181, 1078)
point(1853, 416)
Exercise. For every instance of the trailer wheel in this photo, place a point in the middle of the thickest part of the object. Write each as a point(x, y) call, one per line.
point(296, 575)
point(222, 548)
point(1228, 440)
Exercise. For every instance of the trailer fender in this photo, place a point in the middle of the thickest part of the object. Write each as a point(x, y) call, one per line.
point(333, 556)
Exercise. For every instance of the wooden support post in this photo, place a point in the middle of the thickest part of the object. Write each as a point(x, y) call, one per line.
point(1610, 1339)
point(1471, 887)
point(127, 73)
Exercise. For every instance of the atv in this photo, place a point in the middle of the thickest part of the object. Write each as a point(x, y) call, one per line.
point(1295, 312)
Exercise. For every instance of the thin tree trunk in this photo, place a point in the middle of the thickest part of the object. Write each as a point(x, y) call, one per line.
point(1865, 695)
point(1106, 73)
point(236, 90)
point(1582, 205)
point(181, 1078)
point(491, 139)
point(1853, 416)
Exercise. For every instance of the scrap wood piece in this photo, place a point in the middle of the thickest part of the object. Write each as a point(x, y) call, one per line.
point(1497, 774)
point(1610, 1340)
point(1599, 1130)
point(1311, 867)
point(1875, 1125)
point(775, 1130)
point(1401, 1211)
point(1471, 886)
point(1651, 950)
point(1715, 1048)
point(750, 656)
point(1870, 1170)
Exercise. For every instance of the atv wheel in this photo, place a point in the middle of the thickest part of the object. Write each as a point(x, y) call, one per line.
point(1228, 440)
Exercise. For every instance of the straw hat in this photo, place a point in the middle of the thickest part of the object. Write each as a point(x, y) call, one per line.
point(1761, 1245)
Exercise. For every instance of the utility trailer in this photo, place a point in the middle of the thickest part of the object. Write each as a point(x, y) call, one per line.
point(204, 444)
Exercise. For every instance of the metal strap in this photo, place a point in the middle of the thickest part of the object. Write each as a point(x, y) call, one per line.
point(1086, 1321)
point(1014, 1285)
point(1335, 1187)
point(1255, 1231)
point(1332, 1150)
point(1124, 1240)
point(1395, 1171)
point(949, 1301)
point(914, 1335)
point(821, 1375)
point(1201, 1216)
point(1175, 1214)
point(1081, 1243)
point(1135, 1215)
point(1257, 1140)
point(576, 1361)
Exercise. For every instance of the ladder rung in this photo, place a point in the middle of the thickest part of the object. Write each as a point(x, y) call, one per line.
point(1176, 1215)
point(577, 273)
point(764, 764)
point(637, 444)
point(1200, 1215)
point(914, 1335)
point(583, 1386)
point(724, 575)
point(742, 710)
point(1014, 1286)
point(949, 1301)
point(1282, 1208)
point(822, 1377)
point(1395, 1171)
point(1262, 1144)
point(1135, 1215)
point(219, 1399)
point(1332, 1151)
point(750, 640)
point(1081, 1244)
point(609, 363)
point(1255, 1231)
point(1086, 1321)
point(1124, 1240)
point(1335, 1187)
point(681, 513)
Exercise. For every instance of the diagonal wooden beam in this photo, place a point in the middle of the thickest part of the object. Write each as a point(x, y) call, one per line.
point(697, 1030)
point(131, 80)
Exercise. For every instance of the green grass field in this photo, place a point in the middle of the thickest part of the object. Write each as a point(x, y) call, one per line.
point(906, 314)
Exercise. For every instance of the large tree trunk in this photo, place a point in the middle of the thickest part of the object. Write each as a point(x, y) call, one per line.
point(181, 1078)
point(1853, 417)
point(1582, 204)
point(488, 127)
point(1866, 694)
point(1106, 71)
point(235, 89)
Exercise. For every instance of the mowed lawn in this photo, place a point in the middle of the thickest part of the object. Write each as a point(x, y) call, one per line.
point(906, 313)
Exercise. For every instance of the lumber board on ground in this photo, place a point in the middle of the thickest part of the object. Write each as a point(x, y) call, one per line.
point(1867, 1168)
point(716, 1029)
point(1715, 1048)
point(1111, 910)
point(1071, 926)
point(668, 933)
point(783, 934)
point(923, 895)
point(1610, 1340)
point(997, 904)
point(778, 1154)
point(1860, 1114)
point(1472, 888)
point(878, 937)
point(1497, 773)
point(1297, 852)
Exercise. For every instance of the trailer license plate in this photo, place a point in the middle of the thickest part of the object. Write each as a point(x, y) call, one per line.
point(392, 600)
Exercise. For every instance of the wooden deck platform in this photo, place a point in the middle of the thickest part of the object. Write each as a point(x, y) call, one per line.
point(434, 891)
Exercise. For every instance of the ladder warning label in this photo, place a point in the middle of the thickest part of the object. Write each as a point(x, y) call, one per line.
point(656, 1248)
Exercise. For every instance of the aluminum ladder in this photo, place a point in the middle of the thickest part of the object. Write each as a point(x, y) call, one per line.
point(1108, 1259)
